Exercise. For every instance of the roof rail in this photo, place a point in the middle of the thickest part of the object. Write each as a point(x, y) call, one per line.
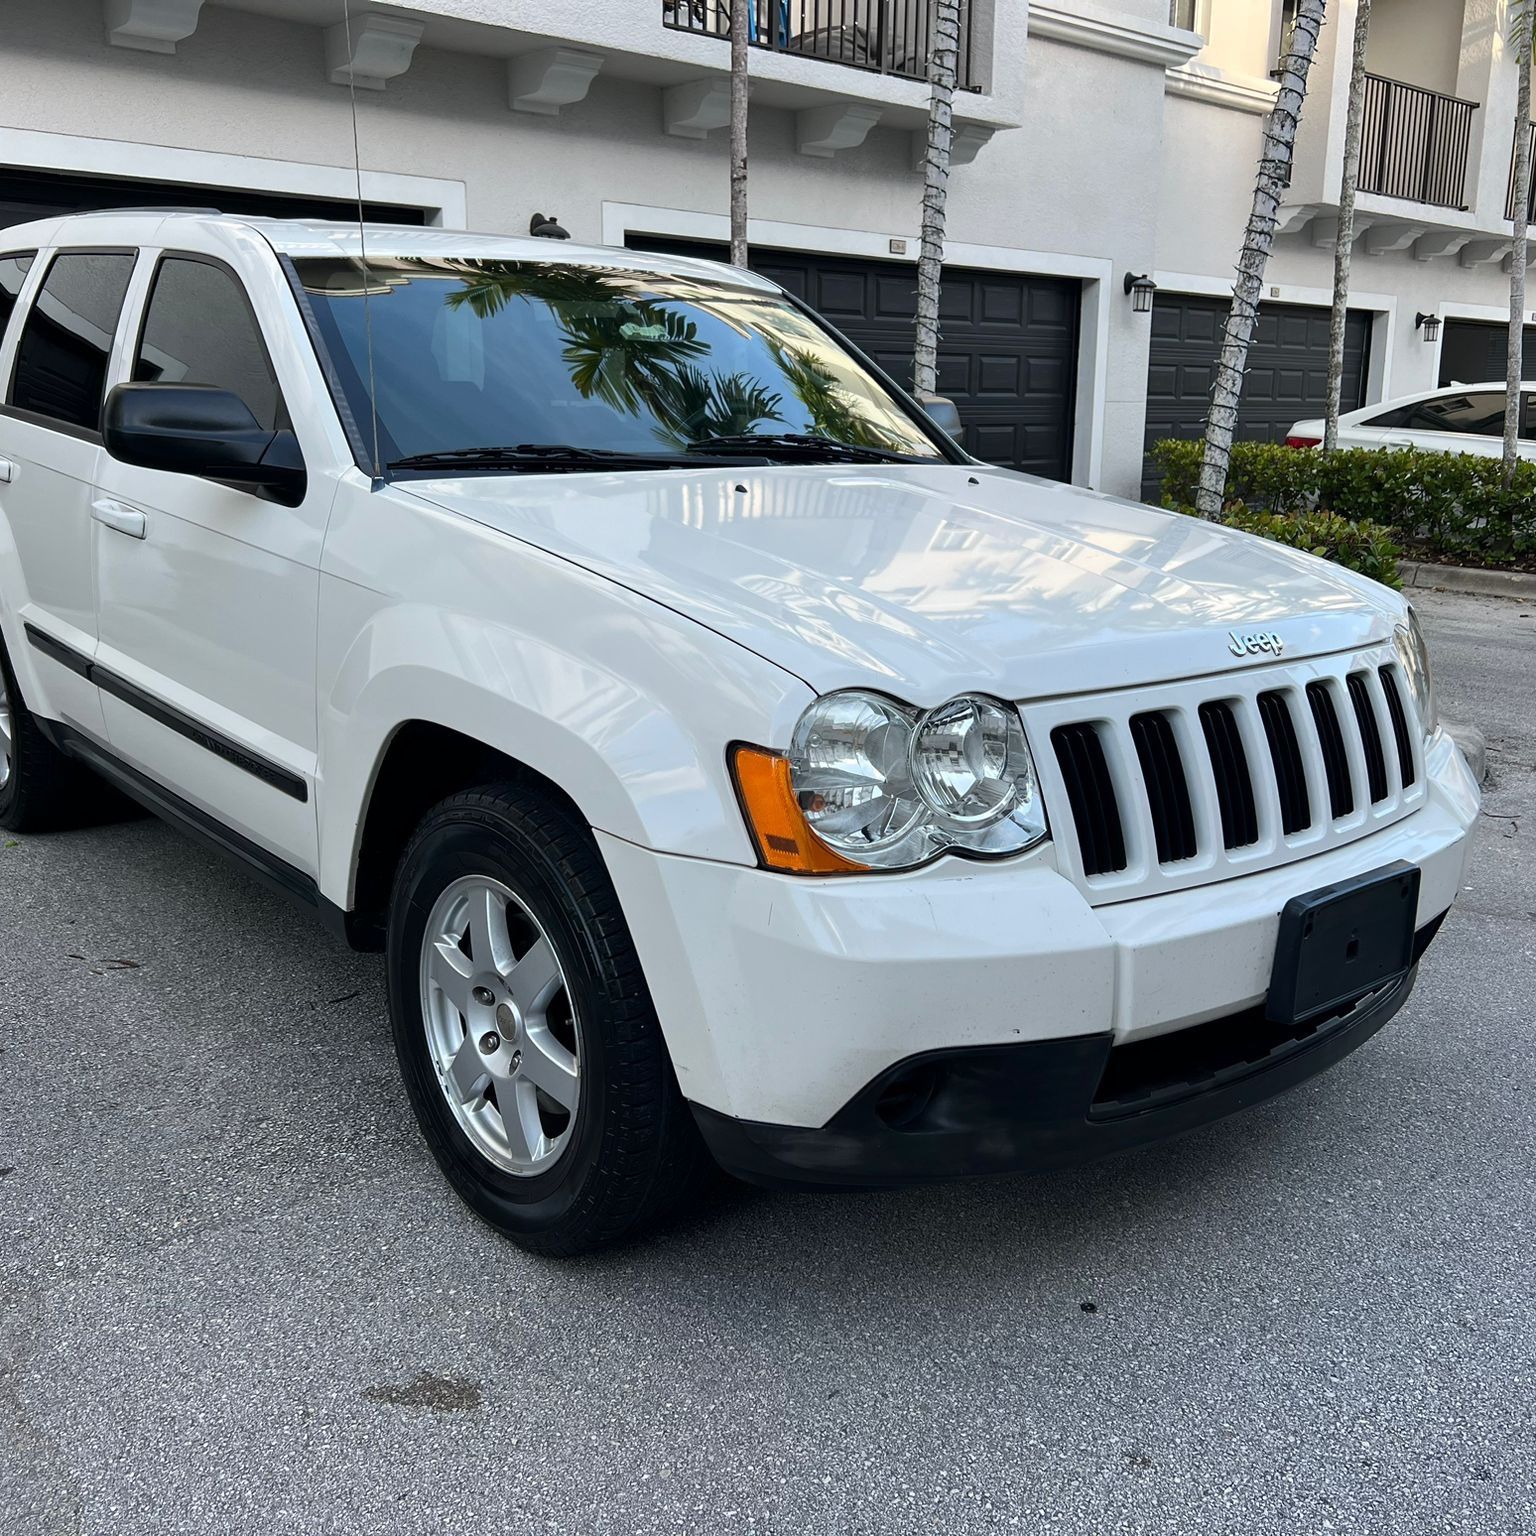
point(92, 213)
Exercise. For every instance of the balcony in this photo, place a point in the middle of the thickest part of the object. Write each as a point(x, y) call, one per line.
point(1415, 143)
point(1510, 201)
point(886, 37)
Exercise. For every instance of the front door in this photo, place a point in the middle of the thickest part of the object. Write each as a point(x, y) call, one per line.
point(209, 595)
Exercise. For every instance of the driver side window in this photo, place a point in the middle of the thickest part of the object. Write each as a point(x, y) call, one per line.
point(199, 329)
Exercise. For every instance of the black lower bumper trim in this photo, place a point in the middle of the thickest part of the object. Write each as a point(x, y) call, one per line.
point(1029, 1107)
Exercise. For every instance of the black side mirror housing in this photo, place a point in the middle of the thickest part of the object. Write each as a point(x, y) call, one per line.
point(196, 429)
point(942, 412)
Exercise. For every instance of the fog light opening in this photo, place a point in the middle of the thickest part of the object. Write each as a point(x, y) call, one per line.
point(906, 1097)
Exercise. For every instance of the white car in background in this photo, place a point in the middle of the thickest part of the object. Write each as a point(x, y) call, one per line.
point(1461, 418)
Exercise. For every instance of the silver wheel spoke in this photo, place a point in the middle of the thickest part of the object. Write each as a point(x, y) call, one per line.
point(449, 970)
point(494, 998)
point(548, 1065)
point(467, 1077)
point(520, 1119)
point(5, 733)
point(534, 980)
point(488, 936)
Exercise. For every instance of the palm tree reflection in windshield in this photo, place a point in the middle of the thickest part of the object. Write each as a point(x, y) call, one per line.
point(642, 357)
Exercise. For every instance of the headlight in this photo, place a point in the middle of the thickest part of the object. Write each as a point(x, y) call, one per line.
point(885, 786)
point(1413, 657)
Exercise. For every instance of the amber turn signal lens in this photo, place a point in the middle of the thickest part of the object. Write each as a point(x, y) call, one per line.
point(783, 839)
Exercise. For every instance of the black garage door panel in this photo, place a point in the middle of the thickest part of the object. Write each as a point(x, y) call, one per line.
point(1287, 375)
point(1007, 350)
point(1476, 352)
point(26, 195)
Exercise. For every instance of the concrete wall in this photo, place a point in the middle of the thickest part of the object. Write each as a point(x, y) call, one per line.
point(1418, 41)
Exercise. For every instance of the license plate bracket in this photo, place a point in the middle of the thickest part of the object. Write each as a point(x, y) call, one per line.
point(1340, 942)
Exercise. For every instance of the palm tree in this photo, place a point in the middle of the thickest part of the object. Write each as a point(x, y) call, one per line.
point(1345, 240)
point(739, 132)
point(1258, 240)
point(1522, 25)
point(942, 67)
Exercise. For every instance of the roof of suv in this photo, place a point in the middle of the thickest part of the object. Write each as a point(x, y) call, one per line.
point(324, 237)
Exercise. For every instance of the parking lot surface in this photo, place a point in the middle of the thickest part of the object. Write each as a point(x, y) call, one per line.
point(235, 1295)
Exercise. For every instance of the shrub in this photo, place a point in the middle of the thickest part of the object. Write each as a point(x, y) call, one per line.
point(1450, 505)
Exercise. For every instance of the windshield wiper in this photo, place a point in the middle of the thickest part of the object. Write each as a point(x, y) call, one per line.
point(799, 444)
point(541, 456)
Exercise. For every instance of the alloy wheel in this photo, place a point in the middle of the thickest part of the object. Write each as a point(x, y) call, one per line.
point(7, 732)
point(501, 1025)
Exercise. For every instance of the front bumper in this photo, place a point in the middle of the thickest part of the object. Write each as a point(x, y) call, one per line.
point(786, 1000)
point(1048, 1104)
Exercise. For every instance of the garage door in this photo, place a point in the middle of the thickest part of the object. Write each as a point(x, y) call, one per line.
point(1475, 352)
point(1007, 351)
point(27, 194)
point(1287, 369)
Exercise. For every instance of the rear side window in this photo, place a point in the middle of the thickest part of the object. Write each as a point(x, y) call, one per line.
point(61, 362)
point(199, 329)
point(1479, 412)
point(13, 272)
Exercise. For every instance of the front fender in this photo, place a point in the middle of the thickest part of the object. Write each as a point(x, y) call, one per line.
point(626, 705)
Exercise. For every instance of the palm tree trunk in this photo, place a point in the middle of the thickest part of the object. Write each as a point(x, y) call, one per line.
point(1258, 239)
point(942, 67)
point(1525, 22)
point(1344, 245)
point(739, 132)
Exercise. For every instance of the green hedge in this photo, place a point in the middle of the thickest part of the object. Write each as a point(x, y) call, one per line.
point(1452, 505)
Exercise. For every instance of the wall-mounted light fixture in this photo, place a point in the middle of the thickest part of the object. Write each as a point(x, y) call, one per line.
point(1140, 290)
point(1429, 324)
point(548, 229)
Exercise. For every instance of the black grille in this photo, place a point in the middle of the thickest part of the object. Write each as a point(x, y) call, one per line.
point(1091, 793)
point(1370, 736)
point(1341, 792)
point(1229, 767)
point(1173, 820)
point(1290, 777)
point(1399, 724)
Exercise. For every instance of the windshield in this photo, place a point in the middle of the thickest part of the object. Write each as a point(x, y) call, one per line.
point(482, 353)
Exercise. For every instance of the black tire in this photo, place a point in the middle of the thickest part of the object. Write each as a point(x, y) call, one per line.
point(45, 790)
point(634, 1151)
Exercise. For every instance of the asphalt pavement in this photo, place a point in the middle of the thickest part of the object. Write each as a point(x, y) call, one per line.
point(235, 1296)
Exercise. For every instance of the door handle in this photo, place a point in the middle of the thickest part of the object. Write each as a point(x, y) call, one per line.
point(1398, 442)
point(115, 515)
point(7, 470)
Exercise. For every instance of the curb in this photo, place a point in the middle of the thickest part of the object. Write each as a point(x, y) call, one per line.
point(1474, 747)
point(1462, 578)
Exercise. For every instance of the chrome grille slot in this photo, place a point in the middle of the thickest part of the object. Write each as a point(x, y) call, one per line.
point(1285, 754)
point(1370, 737)
point(1341, 791)
point(1162, 769)
point(1399, 724)
point(1091, 793)
point(1229, 768)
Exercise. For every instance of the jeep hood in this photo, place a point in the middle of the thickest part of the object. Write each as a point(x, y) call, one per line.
point(925, 580)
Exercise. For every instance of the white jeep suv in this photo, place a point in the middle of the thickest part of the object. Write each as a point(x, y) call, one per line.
point(729, 767)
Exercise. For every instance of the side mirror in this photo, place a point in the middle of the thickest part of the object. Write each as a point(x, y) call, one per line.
point(942, 413)
point(195, 429)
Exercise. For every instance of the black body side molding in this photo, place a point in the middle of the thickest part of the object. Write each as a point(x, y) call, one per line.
point(279, 778)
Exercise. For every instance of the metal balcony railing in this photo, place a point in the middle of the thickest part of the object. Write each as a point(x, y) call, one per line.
point(887, 37)
point(1510, 200)
point(1415, 143)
